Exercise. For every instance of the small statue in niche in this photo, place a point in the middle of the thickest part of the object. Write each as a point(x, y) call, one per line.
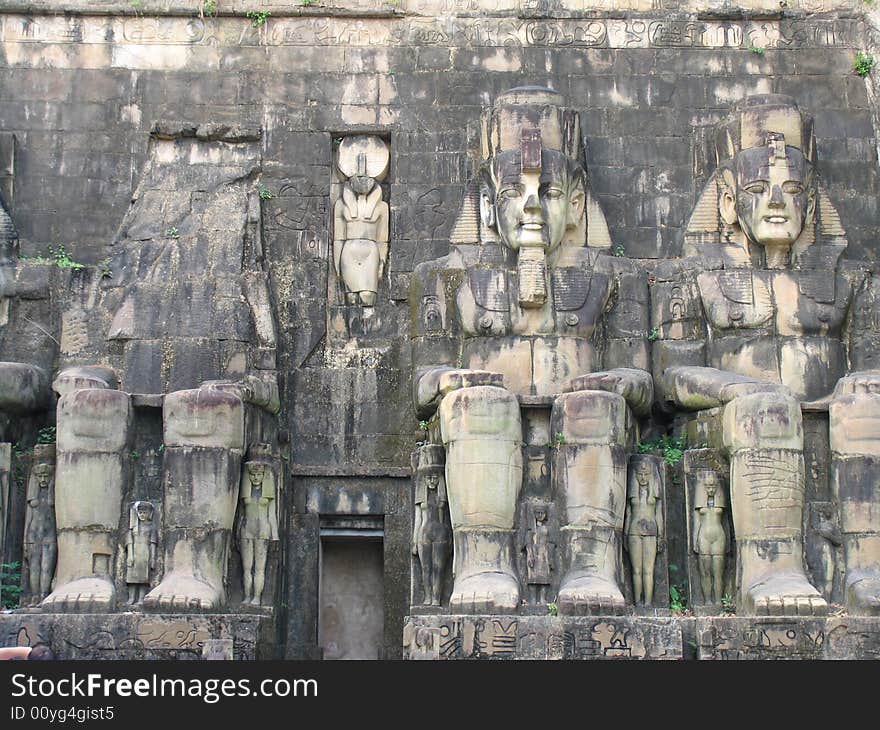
point(258, 520)
point(711, 537)
point(829, 550)
point(141, 547)
point(431, 531)
point(40, 537)
point(360, 219)
point(643, 526)
point(539, 554)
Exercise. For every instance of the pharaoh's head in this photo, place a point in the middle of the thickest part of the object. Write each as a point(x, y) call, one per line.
point(766, 152)
point(44, 473)
point(532, 181)
point(144, 511)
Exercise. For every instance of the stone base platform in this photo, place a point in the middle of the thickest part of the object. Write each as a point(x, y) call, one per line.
point(639, 637)
point(138, 635)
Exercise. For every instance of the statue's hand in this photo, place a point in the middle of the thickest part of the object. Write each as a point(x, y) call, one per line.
point(456, 379)
point(636, 386)
point(863, 381)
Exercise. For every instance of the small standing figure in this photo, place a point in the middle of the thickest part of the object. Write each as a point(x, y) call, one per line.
point(643, 526)
point(431, 530)
point(711, 538)
point(360, 219)
point(40, 538)
point(141, 547)
point(539, 555)
point(829, 550)
point(258, 520)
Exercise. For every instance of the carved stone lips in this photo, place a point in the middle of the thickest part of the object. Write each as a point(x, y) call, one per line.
point(776, 219)
point(532, 226)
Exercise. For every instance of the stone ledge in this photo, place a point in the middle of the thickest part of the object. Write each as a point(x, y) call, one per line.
point(635, 637)
point(142, 635)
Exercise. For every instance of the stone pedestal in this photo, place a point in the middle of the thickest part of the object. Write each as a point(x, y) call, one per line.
point(639, 637)
point(144, 636)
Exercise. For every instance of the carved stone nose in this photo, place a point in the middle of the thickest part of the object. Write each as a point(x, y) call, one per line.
point(776, 199)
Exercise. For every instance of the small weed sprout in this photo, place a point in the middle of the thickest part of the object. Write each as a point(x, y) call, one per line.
point(172, 232)
point(757, 50)
point(728, 605)
point(62, 259)
point(46, 435)
point(257, 17)
point(209, 8)
point(552, 609)
point(863, 63)
point(264, 192)
point(654, 334)
point(618, 251)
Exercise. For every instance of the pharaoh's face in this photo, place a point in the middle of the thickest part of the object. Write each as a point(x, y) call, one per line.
point(361, 184)
point(540, 515)
point(711, 484)
point(255, 473)
point(772, 193)
point(44, 475)
point(533, 208)
point(643, 474)
point(144, 512)
point(432, 480)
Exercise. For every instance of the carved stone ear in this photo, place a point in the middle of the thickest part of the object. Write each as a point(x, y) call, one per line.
point(727, 198)
point(576, 201)
point(487, 209)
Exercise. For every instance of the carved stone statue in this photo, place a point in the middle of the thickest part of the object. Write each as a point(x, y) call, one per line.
point(40, 541)
point(644, 526)
point(141, 546)
point(258, 519)
point(431, 531)
point(522, 309)
point(94, 428)
point(539, 549)
point(711, 541)
point(360, 218)
point(754, 324)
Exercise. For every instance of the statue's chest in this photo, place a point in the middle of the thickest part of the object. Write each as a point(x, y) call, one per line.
point(488, 303)
point(787, 303)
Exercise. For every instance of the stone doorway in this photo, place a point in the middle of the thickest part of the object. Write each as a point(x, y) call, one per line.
point(351, 608)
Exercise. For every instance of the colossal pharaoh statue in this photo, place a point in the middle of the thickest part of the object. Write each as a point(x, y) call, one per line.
point(511, 332)
point(758, 323)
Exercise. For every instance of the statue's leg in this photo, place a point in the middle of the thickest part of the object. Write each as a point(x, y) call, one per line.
point(48, 560)
point(649, 558)
point(717, 573)
point(482, 432)
point(261, 549)
point(425, 555)
point(439, 552)
point(706, 578)
point(763, 435)
point(855, 455)
point(634, 544)
point(204, 441)
point(92, 444)
point(589, 477)
point(247, 568)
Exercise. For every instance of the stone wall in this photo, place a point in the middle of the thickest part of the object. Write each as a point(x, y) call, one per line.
point(83, 84)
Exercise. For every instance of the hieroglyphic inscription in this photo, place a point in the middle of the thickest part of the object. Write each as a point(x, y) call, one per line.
point(437, 31)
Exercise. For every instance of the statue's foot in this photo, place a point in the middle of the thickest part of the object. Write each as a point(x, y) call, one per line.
point(863, 596)
point(784, 594)
point(590, 595)
point(91, 594)
point(183, 593)
point(492, 593)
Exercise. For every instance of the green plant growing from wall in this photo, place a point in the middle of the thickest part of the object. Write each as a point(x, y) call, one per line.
point(863, 63)
point(757, 50)
point(678, 602)
point(62, 259)
point(728, 605)
point(257, 17)
point(552, 609)
point(265, 193)
point(618, 250)
point(104, 268)
point(47, 435)
point(172, 232)
point(209, 8)
point(10, 585)
point(671, 447)
point(654, 334)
